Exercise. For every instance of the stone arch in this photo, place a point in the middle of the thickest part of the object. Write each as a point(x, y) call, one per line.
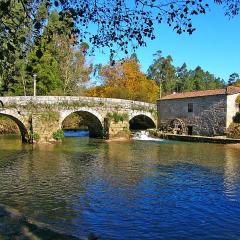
point(141, 122)
point(90, 118)
point(22, 128)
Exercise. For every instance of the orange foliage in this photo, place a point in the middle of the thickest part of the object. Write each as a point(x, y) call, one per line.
point(125, 80)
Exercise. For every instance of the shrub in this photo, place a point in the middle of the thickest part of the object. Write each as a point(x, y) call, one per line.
point(117, 117)
point(58, 135)
point(34, 137)
point(236, 118)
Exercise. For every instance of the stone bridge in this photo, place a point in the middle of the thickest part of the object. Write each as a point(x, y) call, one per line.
point(42, 116)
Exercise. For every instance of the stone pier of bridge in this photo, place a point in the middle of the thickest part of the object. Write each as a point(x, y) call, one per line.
point(41, 118)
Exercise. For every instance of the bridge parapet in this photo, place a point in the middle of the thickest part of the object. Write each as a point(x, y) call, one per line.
point(24, 100)
point(44, 115)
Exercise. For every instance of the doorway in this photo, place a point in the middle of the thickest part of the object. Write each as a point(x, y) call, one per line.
point(190, 130)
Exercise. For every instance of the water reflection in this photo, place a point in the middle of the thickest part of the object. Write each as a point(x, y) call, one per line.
point(127, 190)
point(232, 172)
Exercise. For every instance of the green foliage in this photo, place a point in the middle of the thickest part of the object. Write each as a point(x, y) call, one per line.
point(236, 118)
point(124, 24)
point(35, 136)
point(163, 72)
point(55, 57)
point(58, 135)
point(233, 79)
point(117, 117)
point(180, 79)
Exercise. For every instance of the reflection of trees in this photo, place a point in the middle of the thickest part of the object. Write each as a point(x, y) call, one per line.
point(124, 166)
point(232, 171)
point(81, 182)
point(45, 183)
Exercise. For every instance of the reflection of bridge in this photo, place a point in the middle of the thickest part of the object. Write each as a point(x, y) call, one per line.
point(44, 115)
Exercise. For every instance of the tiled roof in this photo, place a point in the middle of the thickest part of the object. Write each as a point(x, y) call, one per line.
point(226, 91)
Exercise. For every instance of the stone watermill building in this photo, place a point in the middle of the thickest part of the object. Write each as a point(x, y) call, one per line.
point(207, 113)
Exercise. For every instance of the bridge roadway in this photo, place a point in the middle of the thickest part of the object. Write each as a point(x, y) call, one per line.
point(43, 115)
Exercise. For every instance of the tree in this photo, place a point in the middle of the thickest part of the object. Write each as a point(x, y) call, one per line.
point(234, 79)
point(184, 79)
point(125, 80)
point(163, 72)
point(116, 22)
point(72, 63)
point(180, 79)
point(135, 57)
point(61, 65)
point(43, 58)
point(231, 7)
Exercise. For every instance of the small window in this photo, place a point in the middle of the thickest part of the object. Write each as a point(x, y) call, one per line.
point(190, 107)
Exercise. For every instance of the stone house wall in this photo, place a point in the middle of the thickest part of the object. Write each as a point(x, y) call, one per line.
point(208, 117)
point(232, 108)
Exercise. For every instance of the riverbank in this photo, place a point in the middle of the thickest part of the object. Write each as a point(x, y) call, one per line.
point(8, 126)
point(194, 138)
point(13, 225)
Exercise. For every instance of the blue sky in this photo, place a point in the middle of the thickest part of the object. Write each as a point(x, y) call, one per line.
point(215, 45)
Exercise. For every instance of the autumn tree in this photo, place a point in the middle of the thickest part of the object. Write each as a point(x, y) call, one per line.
point(125, 80)
point(115, 24)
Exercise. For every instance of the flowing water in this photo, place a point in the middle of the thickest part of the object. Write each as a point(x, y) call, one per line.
point(144, 136)
point(125, 190)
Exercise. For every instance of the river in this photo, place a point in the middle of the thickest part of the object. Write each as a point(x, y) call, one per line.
point(125, 190)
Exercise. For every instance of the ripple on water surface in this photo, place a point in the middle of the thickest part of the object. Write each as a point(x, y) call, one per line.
point(127, 190)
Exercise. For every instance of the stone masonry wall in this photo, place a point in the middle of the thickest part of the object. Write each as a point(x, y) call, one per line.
point(44, 124)
point(46, 113)
point(232, 108)
point(208, 117)
point(118, 130)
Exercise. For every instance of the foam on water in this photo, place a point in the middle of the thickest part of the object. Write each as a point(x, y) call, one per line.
point(144, 136)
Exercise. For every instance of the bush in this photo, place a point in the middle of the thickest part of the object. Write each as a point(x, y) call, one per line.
point(233, 131)
point(36, 137)
point(236, 118)
point(33, 137)
point(58, 135)
point(117, 117)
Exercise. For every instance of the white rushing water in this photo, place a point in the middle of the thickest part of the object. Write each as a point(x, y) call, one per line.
point(144, 136)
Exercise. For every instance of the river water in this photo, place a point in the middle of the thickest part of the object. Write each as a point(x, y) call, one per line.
point(125, 190)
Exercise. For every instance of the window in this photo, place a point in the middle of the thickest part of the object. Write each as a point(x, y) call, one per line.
point(190, 107)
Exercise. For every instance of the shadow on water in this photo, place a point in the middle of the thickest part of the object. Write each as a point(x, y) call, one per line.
point(16, 226)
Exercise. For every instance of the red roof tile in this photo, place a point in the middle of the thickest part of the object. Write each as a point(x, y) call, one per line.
point(226, 91)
